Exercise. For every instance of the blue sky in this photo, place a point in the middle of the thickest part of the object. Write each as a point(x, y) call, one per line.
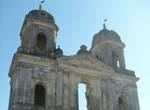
point(78, 21)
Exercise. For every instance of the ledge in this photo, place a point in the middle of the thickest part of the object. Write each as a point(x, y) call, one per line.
point(125, 71)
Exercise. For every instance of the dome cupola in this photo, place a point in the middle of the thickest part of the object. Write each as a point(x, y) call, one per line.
point(40, 15)
point(105, 34)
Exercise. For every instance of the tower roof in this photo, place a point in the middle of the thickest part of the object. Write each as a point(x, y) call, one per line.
point(41, 15)
point(108, 34)
point(37, 16)
point(105, 34)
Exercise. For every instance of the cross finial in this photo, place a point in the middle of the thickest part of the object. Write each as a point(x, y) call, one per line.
point(40, 7)
point(104, 26)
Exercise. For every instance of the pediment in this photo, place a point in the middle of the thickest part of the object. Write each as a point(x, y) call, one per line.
point(84, 61)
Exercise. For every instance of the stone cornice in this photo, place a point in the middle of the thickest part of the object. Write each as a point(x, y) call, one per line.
point(95, 69)
point(29, 22)
point(29, 61)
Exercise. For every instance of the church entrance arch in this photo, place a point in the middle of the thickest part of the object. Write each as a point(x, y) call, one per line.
point(84, 93)
point(82, 96)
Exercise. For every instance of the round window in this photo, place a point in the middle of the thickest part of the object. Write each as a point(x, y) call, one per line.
point(43, 14)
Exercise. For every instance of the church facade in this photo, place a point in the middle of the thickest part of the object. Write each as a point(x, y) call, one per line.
point(42, 78)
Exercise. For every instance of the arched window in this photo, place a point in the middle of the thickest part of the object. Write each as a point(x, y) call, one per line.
point(115, 59)
point(122, 103)
point(39, 98)
point(41, 42)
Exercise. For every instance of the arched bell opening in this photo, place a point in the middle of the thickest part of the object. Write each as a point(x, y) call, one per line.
point(41, 42)
point(115, 59)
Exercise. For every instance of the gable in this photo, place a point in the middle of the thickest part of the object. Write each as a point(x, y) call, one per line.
point(85, 61)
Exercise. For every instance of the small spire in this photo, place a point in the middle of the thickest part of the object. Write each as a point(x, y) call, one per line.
point(40, 7)
point(104, 25)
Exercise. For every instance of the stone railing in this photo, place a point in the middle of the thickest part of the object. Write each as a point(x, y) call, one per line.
point(37, 52)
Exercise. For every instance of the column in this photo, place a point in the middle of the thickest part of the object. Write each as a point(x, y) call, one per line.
point(72, 94)
point(59, 88)
point(110, 94)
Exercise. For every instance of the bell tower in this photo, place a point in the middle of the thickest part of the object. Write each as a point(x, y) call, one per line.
point(33, 70)
point(108, 47)
point(38, 34)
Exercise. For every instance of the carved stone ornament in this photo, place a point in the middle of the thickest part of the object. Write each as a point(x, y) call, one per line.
point(121, 89)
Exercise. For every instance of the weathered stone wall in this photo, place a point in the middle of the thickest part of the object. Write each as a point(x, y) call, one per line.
point(61, 78)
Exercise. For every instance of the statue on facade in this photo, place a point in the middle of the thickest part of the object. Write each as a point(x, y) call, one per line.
point(83, 49)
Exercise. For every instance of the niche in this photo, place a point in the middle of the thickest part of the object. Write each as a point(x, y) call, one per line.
point(122, 103)
point(40, 94)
